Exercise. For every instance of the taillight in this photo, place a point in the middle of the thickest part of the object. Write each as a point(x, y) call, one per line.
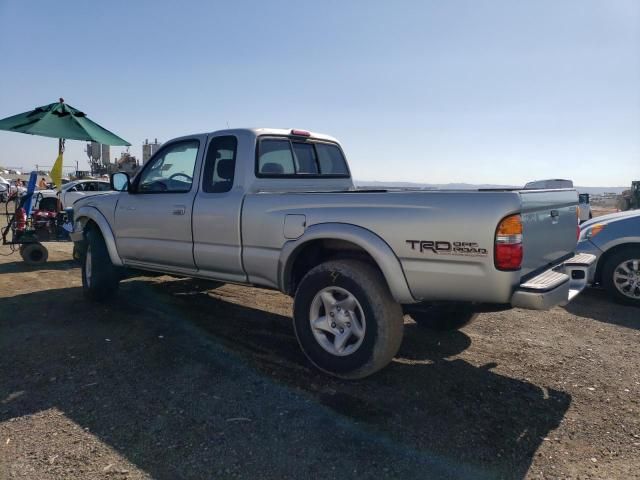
point(508, 246)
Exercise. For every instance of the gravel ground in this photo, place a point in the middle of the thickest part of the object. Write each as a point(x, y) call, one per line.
point(182, 379)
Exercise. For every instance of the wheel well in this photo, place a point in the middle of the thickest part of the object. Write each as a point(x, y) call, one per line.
point(316, 252)
point(606, 255)
point(89, 224)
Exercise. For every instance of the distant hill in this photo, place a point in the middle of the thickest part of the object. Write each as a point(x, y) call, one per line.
point(470, 186)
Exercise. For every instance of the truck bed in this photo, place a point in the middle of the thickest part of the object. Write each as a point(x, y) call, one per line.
point(398, 217)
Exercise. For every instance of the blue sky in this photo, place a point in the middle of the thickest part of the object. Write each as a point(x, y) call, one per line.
point(494, 91)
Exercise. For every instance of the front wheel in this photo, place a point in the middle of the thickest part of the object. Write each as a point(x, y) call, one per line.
point(621, 276)
point(345, 319)
point(100, 278)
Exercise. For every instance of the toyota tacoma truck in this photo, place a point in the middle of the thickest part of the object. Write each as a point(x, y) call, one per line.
point(278, 209)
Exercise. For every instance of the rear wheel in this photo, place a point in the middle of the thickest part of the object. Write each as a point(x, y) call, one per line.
point(444, 317)
point(345, 319)
point(100, 278)
point(34, 253)
point(621, 276)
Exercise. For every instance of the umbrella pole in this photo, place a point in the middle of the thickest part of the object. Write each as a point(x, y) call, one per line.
point(59, 174)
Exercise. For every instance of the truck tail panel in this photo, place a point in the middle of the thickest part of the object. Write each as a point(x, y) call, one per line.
point(549, 227)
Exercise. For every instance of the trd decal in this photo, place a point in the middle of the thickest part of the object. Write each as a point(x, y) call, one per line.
point(442, 247)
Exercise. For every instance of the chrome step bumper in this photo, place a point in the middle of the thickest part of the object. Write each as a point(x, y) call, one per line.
point(556, 286)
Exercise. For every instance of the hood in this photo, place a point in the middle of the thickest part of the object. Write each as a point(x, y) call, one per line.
point(612, 217)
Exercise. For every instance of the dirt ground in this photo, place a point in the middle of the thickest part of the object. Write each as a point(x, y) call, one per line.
point(183, 379)
point(598, 211)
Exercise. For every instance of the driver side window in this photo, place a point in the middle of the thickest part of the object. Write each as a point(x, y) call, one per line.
point(171, 171)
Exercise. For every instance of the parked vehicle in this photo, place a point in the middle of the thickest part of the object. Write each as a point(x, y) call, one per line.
point(5, 187)
point(549, 184)
point(615, 241)
point(277, 209)
point(4, 192)
point(584, 207)
point(72, 191)
point(630, 199)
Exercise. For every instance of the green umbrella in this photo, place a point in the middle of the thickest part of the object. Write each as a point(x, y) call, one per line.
point(59, 120)
point(62, 121)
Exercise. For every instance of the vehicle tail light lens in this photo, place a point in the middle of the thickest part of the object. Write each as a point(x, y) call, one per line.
point(508, 245)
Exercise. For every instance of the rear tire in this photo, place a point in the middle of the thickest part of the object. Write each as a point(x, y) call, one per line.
point(100, 278)
point(621, 276)
point(34, 253)
point(345, 319)
point(443, 318)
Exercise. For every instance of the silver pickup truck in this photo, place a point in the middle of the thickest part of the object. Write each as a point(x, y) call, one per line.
point(278, 209)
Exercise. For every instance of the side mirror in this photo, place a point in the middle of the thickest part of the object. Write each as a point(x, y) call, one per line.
point(119, 181)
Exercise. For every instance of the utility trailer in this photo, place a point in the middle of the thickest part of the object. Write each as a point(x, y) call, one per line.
point(27, 228)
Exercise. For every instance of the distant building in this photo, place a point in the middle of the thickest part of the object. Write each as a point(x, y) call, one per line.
point(106, 155)
point(148, 149)
point(94, 151)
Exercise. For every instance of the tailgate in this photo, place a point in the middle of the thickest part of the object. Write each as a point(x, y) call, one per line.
point(549, 227)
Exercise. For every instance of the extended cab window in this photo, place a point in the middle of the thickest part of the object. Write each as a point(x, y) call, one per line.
point(220, 165)
point(170, 171)
point(275, 158)
point(285, 157)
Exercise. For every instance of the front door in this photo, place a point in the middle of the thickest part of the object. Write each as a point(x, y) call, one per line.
point(153, 222)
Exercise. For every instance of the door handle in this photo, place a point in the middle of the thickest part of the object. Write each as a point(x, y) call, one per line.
point(178, 209)
point(126, 208)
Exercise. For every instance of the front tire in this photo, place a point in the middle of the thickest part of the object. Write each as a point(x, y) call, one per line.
point(621, 276)
point(443, 318)
point(345, 319)
point(100, 278)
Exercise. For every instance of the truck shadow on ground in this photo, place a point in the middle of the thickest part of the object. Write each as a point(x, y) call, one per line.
point(159, 375)
point(596, 304)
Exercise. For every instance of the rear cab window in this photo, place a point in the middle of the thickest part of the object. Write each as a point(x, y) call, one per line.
point(299, 158)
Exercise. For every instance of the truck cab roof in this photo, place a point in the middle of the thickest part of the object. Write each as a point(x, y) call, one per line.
point(254, 174)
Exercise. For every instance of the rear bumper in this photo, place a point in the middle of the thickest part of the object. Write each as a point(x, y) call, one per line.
point(556, 286)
